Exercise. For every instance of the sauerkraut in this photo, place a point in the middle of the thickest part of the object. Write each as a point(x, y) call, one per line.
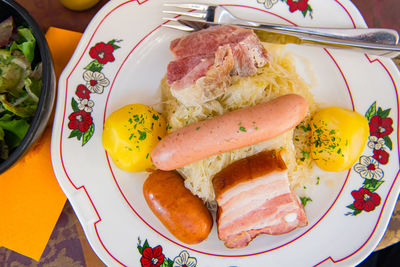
point(278, 77)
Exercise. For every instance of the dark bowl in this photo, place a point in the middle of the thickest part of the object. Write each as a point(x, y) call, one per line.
point(42, 53)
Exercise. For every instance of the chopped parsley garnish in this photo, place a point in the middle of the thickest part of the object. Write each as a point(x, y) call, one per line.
point(305, 154)
point(304, 128)
point(304, 200)
point(136, 118)
point(142, 135)
point(327, 140)
point(242, 129)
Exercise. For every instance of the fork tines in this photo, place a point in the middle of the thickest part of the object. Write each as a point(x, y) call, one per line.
point(196, 15)
point(179, 27)
point(198, 7)
point(196, 11)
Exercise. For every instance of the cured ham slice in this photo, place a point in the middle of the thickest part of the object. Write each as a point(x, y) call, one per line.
point(254, 197)
point(204, 60)
point(202, 79)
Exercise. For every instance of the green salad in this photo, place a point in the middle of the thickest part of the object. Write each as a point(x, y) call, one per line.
point(20, 84)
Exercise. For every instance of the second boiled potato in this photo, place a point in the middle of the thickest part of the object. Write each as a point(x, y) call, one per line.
point(338, 138)
point(130, 133)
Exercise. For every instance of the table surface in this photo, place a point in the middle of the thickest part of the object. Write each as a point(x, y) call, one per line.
point(67, 245)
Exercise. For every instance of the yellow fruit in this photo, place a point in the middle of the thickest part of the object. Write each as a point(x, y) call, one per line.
point(129, 135)
point(79, 5)
point(338, 138)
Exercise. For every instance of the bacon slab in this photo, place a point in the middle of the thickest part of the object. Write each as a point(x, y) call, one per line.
point(254, 197)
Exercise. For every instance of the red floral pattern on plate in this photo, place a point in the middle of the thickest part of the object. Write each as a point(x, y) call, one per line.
point(294, 5)
point(381, 156)
point(102, 52)
point(80, 120)
point(365, 199)
point(153, 257)
point(297, 5)
point(82, 92)
point(368, 167)
point(380, 127)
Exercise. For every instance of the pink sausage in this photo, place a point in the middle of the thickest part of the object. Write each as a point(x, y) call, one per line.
point(230, 131)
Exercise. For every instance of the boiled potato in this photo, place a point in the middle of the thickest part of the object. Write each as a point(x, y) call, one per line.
point(338, 138)
point(130, 133)
point(79, 5)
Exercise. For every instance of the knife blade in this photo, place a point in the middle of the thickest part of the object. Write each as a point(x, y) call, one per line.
point(273, 35)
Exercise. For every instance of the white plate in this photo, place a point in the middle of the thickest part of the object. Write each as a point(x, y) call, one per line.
point(109, 202)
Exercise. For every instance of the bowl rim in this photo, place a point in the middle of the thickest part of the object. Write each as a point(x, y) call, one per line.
point(47, 94)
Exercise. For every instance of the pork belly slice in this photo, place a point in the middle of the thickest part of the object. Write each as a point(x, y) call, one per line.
point(254, 197)
point(205, 60)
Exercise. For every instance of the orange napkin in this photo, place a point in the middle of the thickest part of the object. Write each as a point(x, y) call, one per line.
point(30, 198)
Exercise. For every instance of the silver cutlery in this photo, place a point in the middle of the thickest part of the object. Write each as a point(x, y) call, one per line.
point(377, 41)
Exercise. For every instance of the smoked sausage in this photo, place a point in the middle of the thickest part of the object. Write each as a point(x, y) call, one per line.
point(182, 213)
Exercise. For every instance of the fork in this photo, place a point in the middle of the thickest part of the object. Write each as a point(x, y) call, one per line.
point(377, 41)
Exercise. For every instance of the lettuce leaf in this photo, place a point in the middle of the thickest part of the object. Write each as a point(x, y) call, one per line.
point(13, 69)
point(33, 88)
point(6, 31)
point(25, 43)
point(20, 86)
point(11, 75)
point(14, 129)
point(3, 145)
point(23, 107)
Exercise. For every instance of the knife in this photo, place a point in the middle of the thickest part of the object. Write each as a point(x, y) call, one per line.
point(274, 35)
